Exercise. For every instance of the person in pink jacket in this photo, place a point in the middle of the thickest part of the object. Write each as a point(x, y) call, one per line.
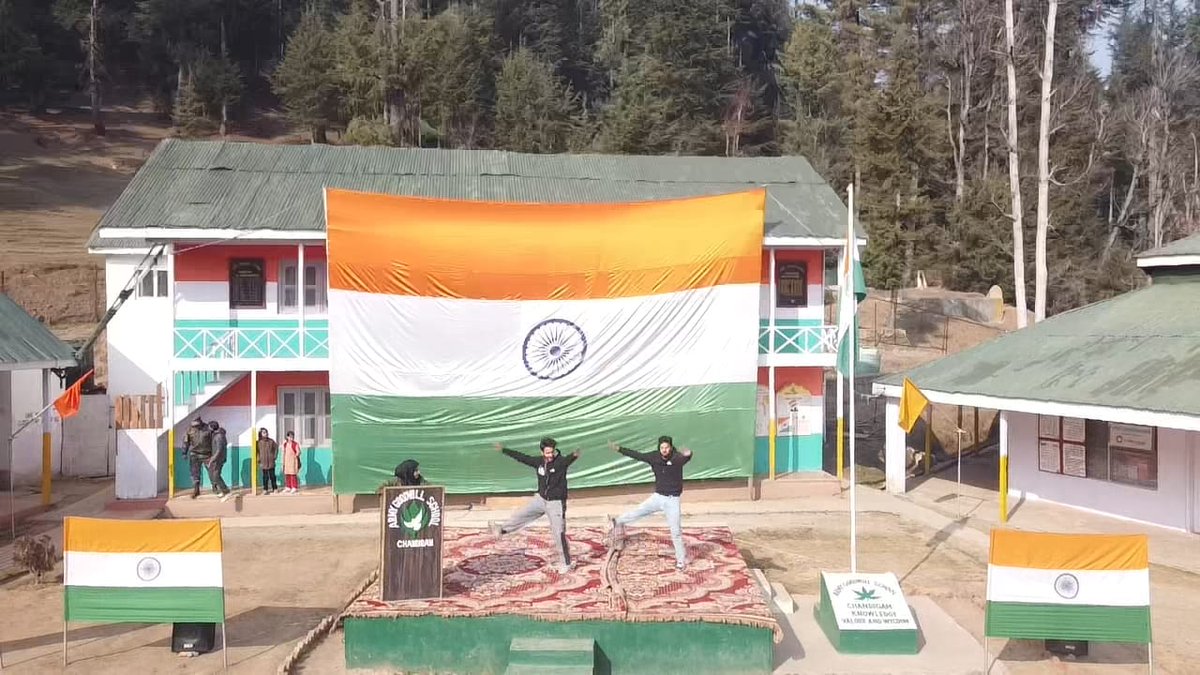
point(291, 464)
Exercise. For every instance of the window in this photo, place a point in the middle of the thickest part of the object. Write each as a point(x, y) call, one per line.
point(314, 288)
point(305, 412)
point(791, 284)
point(153, 284)
point(247, 284)
point(1118, 453)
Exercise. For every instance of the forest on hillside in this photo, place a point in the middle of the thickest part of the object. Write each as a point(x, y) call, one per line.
point(914, 101)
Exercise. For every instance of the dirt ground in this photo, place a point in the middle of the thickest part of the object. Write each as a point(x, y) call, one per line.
point(928, 563)
point(279, 583)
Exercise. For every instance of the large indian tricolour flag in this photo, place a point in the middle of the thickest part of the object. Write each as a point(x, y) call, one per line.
point(455, 325)
point(1068, 587)
point(149, 571)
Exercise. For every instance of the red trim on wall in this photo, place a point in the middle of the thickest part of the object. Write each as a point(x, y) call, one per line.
point(268, 382)
point(211, 263)
point(813, 257)
point(811, 378)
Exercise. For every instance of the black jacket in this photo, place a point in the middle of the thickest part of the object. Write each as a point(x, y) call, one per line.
point(552, 475)
point(668, 471)
point(220, 446)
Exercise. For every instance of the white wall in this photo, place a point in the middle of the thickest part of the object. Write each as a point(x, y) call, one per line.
point(26, 387)
point(1168, 505)
point(140, 335)
point(89, 444)
point(138, 461)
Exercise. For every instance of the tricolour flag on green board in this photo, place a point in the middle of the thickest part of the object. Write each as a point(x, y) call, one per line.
point(852, 291)
point(142, 571)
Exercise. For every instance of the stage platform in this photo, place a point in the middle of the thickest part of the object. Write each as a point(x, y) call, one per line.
point(506, 609)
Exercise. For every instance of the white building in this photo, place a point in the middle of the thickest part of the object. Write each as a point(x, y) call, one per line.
point(232, 323)
point(1099, 407)
point(28, 352)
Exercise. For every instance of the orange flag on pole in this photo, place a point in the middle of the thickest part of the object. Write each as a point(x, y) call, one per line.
point(68, 404)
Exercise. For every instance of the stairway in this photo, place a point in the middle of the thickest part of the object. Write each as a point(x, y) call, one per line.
point(541, 656)
point(195, 388)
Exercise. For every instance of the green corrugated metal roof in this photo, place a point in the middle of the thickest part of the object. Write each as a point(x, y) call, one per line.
point(219, 185)
point(1140, 350)
point(1186, 246)
point(24, 341)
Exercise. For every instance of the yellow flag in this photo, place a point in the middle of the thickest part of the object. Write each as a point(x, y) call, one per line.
point(912, 404)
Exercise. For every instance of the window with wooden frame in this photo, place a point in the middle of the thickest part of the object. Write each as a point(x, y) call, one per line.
point(153, 283)
point(312, 289)
point(306, 413)
point(791, 284)
point(247, 283)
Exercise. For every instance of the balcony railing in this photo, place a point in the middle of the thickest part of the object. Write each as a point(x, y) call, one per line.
point(791, 339)
point(274, 339)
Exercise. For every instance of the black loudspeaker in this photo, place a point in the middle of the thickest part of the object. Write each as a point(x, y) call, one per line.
point(1067, 647)
point(193, 637)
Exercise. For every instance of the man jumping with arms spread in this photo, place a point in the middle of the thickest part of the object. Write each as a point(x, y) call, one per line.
point(550, 500)
point(667, 465)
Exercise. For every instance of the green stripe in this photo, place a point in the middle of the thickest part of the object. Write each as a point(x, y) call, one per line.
point(452, 437)
point(1068, 622)
point(143, 605)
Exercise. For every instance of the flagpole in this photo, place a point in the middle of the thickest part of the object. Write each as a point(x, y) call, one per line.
point(850, 378)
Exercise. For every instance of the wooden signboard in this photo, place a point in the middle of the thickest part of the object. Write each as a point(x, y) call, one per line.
point(411, 562)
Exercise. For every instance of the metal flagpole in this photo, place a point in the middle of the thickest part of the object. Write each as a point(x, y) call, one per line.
point(224, 648)
point(12, 495)
point(853, 340)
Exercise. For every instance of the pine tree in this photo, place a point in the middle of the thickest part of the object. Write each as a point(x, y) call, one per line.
point(190, 116)
point(535, 112)
point(305, 78)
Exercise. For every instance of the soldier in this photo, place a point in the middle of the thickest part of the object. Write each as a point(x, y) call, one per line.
point(197, 447)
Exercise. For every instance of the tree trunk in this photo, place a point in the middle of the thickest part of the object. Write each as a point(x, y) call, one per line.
point(1043, 203)
point(318, 134)
point(93, 80)
point(1014, 170)
point(224, 103)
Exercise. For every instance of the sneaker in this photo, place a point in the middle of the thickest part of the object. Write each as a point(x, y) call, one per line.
point(225, 497)
point(495, 529)
point(266, 492)
point(565, 569)
point(679, 567)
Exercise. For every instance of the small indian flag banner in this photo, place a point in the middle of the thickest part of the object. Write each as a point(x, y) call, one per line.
point(149, 571)
point(1068, 587)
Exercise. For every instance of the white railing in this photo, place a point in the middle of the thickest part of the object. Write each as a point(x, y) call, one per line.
point(799, 340)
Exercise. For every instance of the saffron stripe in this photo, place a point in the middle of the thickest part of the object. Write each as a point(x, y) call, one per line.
point(102, 535)
point(503, 251)
point(1014, 548)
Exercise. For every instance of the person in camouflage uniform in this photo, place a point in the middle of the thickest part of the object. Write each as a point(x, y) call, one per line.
point(197, 447)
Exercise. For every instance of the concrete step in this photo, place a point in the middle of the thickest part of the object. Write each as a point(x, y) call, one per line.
point(242, 503)
point(527, 669)
point(795, 485)
point(556, 654)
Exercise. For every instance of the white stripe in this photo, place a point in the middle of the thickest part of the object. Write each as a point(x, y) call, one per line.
point(1117, 588)
point(143, 570)
point(408, 346)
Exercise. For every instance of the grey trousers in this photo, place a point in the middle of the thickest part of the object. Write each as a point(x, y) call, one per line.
point(554, 511)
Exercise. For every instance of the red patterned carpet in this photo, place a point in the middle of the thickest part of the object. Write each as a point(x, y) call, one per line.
point(517, 575)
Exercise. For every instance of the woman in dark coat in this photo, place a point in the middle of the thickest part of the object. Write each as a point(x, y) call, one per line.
point(268, 452)
point(408, 472)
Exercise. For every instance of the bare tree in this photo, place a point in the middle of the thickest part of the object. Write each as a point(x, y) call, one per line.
point(1014, 167)
point(1043, 197)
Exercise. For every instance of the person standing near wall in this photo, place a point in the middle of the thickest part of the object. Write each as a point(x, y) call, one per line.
point(268, 453)
point(291, 464)
point(220, 452)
